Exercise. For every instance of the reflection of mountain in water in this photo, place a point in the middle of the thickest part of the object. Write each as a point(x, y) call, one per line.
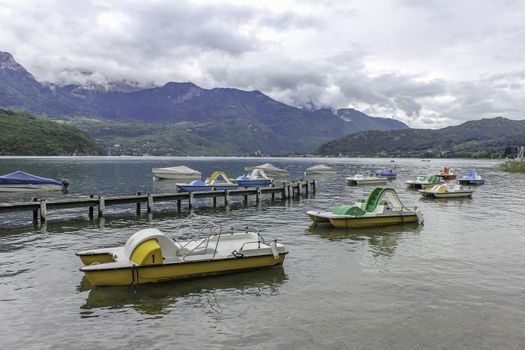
point(381, 240)
point(158, 298)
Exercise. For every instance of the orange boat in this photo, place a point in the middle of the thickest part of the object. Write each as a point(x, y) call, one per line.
point(447, 174)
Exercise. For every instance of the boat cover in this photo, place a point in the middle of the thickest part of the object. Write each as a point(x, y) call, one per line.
point(269, 168)
point(320, 167)
point(178, 170)
point(23, 178)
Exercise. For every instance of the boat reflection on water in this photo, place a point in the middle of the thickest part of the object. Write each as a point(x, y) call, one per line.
point(159, 299)
point(382, 240)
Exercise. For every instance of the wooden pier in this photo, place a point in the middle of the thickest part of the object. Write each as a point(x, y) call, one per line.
point(40, 207)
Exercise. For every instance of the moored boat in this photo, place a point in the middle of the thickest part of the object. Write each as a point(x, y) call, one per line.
point(382, 207)
point(151, 256)
point(389, 174)
point(422, 181)
point(359, 179)
point(176, 173)
point(447, 174)
point(257, 178)
point(320, 169)
point(218, 180)
point(446, 191)
point(472, 178)
point(20, 181)
point(270, 170)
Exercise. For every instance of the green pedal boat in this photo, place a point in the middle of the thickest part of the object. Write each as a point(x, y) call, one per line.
point(382, 207)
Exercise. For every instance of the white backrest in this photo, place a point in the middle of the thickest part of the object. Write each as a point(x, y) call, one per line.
point(167, 246)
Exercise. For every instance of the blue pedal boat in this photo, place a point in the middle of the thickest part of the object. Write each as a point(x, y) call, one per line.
point(473, 178)
point(257, 178)
point(217, 181)
point(387, 173)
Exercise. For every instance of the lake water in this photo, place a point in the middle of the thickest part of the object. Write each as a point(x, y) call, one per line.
point(456, 282)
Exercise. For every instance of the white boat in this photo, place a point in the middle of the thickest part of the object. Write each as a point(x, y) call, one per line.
point(359, 179)
point(320, 169)
point(20, 181)
point(177, 173)
point(193, 251)
point(270, 170)
point(446, 191)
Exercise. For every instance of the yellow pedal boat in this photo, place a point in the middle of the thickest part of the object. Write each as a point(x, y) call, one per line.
point(446, 191)
point(383, 207)
point(151, 256)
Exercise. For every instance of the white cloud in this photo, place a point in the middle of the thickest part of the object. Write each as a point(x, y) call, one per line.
point(428, 63)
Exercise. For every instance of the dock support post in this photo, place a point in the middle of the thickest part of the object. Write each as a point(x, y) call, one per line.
point(35, 212)
point(150, 203)
point(245, 199)
point(215, 202)
point(258, 195)
point(138, 204)
point(226, 198)
point(90, 213)
point(101, 206)
point(289, 191)
point(313, 186)
point(43, 211)
point(190, 200)
point(273, 196)
point(179, 205)
point(307, 187)
point(299, 189)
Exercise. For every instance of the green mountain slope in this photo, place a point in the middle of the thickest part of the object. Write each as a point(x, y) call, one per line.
point(23, 134)
point(478, 138)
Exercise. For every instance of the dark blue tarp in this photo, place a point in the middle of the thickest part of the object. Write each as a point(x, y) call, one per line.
point(22, 178)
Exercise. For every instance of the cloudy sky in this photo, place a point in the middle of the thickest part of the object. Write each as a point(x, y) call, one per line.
point(429, 63)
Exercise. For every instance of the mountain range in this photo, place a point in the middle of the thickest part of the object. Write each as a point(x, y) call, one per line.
point(182, 118)
point(483, 138)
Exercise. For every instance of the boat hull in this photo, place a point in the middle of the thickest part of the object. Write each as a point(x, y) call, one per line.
point(453, 195)
point(31, 188)
point(343, 221)
point(471, 182)
point(363, 221)
point(316, 218)
point(178, 271)
point(254, 183)
point(178, 177)
point(456, 194)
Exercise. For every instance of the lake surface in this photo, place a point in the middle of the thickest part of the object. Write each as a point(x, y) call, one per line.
point(456, 282)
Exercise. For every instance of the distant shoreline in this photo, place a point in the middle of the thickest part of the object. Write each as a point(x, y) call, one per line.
point(240, 157)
